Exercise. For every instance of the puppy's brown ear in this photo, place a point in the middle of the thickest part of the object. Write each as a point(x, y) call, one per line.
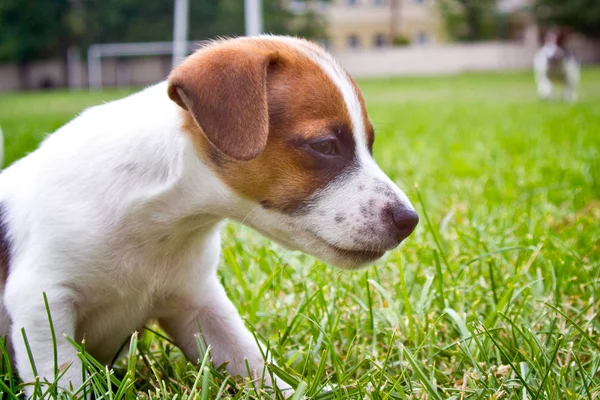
point(225, 91)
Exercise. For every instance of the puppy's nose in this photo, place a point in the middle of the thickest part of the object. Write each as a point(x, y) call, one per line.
point(405, 221)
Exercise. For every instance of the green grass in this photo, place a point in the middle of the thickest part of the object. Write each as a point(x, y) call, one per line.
point(495, 296)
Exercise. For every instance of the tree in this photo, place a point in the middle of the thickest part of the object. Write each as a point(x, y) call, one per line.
point(582, 16)
point(114, 21)
point(308, 22)
point(226, 18)
point(470, 20)
point(32, 29)
point(37, 29)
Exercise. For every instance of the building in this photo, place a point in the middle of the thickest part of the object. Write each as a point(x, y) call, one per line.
point(356, 24)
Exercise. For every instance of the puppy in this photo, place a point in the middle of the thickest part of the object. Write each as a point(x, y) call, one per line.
point(116, 216)
point(553, 63)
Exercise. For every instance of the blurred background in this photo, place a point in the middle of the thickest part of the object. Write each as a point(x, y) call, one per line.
point(119, 43)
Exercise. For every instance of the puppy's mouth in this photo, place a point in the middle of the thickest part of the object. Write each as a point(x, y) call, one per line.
point(346, 258)
point(358, 255)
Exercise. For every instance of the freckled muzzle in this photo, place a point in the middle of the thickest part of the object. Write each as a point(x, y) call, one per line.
point(396, 222)
point(358, 222)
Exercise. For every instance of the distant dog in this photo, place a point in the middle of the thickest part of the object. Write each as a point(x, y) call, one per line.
point(554, 64)
point(116, 217)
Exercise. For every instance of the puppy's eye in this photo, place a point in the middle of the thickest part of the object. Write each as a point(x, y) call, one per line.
point(326, 147)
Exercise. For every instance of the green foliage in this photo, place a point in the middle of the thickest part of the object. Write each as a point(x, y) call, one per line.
point(495, 296)
point(309, 25)
point(580, 15)
point(401, 40)
point(34, 29)
point(110, 21)
point(467, 20)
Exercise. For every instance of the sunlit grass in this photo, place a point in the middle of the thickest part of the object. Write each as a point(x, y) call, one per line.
point(496, 295)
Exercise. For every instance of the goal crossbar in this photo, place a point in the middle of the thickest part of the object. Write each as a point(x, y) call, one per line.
point(96, 52)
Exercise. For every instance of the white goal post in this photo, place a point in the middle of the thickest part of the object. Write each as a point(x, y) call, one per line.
point(97, 52)
point(179, 48)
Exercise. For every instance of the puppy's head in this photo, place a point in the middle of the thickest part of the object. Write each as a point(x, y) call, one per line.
point(554, 41)
point(286, 129)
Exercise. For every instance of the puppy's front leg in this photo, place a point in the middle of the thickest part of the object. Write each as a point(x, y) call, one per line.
point(544, 85)
point(211, 315)
point(25, 305)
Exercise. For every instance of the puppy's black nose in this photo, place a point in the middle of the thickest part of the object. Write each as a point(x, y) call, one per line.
point(405, 221)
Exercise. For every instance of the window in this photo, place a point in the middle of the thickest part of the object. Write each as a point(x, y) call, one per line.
point(421, 38)
point(352, 3)
point(379, 3)
point(379, 40)
point(353, 41)
point(302, 6)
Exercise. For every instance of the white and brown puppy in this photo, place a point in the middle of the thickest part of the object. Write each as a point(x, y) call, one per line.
point(116, 217)
point(553, 64)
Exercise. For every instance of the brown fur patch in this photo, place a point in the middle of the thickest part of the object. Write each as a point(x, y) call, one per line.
point(303, 104)
point(225, 91)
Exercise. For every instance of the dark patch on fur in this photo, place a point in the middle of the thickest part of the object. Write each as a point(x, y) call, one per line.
point(364, 211)
point(381, 188)
point(339, 218)
point(4, 247)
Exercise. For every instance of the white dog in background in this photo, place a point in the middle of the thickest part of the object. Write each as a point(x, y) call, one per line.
point(554, 64)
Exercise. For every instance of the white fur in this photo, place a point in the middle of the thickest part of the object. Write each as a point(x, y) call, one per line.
point(545, 71)
point(116, 218)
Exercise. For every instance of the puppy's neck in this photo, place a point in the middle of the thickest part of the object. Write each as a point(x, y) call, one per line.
point(187, 198)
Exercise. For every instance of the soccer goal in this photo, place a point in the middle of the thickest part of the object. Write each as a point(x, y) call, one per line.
point(179, 48)
point(97, 52)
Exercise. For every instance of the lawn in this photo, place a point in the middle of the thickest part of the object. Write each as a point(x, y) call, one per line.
point(496, 295)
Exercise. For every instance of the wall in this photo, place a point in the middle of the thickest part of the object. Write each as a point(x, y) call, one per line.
point(414, 60)
point(456, 58)
point(430, 60)
point(134, 71)
point(9, 78)
point(131, 71)
point(40, 74)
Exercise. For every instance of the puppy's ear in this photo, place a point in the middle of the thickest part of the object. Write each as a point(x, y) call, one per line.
point(562, 37)
point(225, 91)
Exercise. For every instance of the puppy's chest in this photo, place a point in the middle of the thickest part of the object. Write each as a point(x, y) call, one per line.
point(140, 289)
point(556, 68)
point(138, 277)
point(128, 293)
point(557, 74)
